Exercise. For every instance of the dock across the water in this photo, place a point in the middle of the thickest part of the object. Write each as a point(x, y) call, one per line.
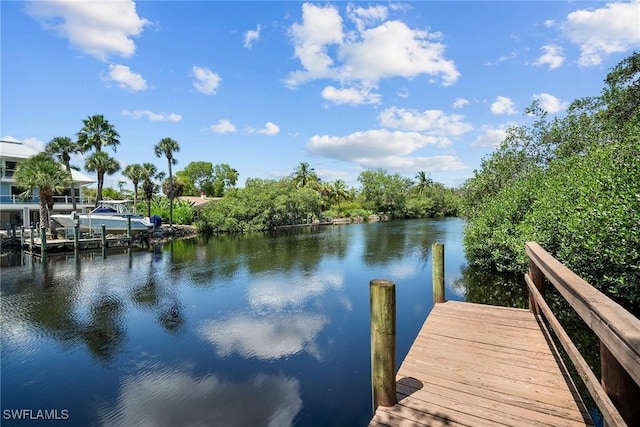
point(481, 365)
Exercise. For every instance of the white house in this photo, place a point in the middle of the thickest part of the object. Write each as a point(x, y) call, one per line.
point(17, 211)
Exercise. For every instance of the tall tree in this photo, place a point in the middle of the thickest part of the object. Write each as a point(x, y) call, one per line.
point(136, 174)
point(149, 173)
point(225, 177)
point(340, 191)
point(167, 147)
point(63, 147)
point(95, 133)
point(305, 175)
point(424, 183)
point(44, 173)
point(101, 164)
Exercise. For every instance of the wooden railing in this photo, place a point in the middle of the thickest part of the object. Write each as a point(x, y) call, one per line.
point(617, 394)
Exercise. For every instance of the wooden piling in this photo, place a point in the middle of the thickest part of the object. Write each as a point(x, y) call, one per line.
point(13, 233)
point(437, 272)
point(22, 237)
point(383, 342)
point(31, 237)
point(43, 241)
point(129, 230)
point(76, 237)
point(103, 229)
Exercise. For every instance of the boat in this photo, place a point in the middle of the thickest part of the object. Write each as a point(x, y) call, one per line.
point(114, 214)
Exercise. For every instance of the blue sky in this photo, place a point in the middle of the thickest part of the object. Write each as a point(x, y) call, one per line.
point(344, 86)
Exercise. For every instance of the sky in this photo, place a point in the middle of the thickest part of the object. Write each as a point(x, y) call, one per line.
point(344, 86)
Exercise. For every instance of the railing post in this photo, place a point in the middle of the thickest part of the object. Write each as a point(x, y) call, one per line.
point(383, 342)
point(538, 280)
point(437, 272)
point(620, 387)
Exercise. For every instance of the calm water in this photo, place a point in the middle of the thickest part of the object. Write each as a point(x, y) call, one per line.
point(261, 330)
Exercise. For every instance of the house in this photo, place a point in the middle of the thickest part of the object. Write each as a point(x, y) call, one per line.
point(18, 211)
point(198, 202)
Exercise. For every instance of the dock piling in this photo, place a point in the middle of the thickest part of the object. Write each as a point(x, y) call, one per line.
point(437, 272)
point(43, 241)
point(22, 237)
point(383, 342)
point(104, 240)
point(33, 232)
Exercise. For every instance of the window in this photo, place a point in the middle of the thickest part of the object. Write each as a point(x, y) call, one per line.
point(9, 168)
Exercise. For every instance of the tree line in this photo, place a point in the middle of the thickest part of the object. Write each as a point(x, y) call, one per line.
point(571, 183)
point(262, 204)
point(302, 197)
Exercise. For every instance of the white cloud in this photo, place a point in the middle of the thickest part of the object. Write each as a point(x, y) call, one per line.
point(100, 29)
point(264, 337)
point(251, 36)
point(206, 81)
point(550, 103)
point(365, 17)
point(370, 144)
point(171, 397)
point(601, 32)
point(269, 129)
point(321, 26)
point(444, 163)
point(223, 126)
point(553, 56)
point(503, 105)
point(350, 96)
point(154, 117)
point(490, 137)
point(367, 54)
point(125, 78)
point(433, 121)
point(460, 102)
point(34, 143)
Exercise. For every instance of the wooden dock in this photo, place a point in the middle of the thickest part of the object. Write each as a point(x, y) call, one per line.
point(480, 365)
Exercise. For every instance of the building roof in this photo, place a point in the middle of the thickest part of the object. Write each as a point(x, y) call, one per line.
point(13, 148)
point(199, 201)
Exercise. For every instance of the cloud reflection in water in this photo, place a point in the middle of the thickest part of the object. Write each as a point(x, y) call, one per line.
point(264, 337)
point(175, 398)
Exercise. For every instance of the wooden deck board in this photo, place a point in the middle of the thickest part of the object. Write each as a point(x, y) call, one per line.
point(477, 365)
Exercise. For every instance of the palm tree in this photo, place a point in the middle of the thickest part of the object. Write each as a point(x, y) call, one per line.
point(44, 173)
point(167, 147)
point(340, 191)
point(149, 172)
point(63, 147)
point(101, 163)
point(305, 175)
point(424, 183)
point(136, 174)
point(96, 132)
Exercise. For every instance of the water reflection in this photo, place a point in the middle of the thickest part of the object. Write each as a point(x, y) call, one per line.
point(264, 337)
point(275, 292)
point(175, 398)
point(294, 303)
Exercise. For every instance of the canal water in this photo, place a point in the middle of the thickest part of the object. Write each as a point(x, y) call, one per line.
point(245, 330)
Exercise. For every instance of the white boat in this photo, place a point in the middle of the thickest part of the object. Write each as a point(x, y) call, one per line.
point(113, 214)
